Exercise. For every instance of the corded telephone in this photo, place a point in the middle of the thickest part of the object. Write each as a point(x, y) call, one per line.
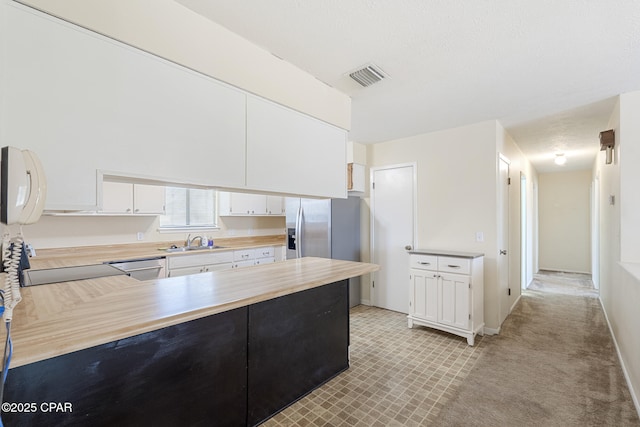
point(22, 195)
point(23, 189)
point(23, 186)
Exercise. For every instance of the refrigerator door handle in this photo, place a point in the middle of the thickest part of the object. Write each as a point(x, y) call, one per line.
point(299, 233)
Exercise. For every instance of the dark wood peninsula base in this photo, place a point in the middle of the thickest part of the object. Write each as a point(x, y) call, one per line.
point(234, 368)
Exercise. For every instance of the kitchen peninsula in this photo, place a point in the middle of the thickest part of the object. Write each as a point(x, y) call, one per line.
point(228, 347)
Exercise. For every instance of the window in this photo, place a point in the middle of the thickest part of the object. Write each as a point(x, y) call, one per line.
point(189, 207)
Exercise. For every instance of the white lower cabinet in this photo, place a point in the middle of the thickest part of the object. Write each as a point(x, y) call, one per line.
point(257, 256)
point(264, 255)
point(185, 265)
point(446, 292)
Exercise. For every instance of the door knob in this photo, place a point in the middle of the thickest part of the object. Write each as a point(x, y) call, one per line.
point(503, 251)
point(408, 247)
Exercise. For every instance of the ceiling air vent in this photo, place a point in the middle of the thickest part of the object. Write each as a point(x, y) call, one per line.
point(367, 76)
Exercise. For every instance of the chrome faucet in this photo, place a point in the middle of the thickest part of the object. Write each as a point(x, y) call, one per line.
point(190, 240)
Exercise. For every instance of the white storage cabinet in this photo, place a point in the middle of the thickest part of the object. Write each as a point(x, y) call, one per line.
point(184, 265)
point(126, 198)
point(446, 292)
point(256, 256)
point(243, 204)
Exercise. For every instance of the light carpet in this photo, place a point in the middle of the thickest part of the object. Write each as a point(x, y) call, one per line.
point(553, 364)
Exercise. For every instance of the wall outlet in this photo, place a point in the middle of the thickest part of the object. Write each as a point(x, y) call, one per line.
point(479, 236)
point(140, 235)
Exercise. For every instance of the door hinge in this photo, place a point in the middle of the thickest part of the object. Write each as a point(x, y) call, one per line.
point(469, 285)
point(373, 284)
point(469, 316)
point(373, 185)
point(509, 181)
point(509, 290)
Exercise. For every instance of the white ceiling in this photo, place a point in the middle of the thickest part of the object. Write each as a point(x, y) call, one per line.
point(548, 70)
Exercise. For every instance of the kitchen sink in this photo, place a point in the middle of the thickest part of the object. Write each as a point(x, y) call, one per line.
point(193, 248)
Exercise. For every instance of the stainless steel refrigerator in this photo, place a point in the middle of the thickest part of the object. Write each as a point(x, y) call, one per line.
point(326, 228)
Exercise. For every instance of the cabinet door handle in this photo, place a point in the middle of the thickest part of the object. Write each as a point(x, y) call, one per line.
point(453, 266)
point(424, 263)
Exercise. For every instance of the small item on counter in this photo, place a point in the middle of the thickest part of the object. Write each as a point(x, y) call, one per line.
point(210, 241)
point(31, 251)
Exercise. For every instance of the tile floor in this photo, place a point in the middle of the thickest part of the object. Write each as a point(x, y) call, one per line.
point(398, 376)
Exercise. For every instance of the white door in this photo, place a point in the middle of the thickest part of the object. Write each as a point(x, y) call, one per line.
point(503, 240)
point(392, 230)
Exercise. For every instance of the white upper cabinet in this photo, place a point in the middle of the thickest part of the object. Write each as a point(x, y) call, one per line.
point(117, 197)
point(127, 198)
point(89, 105)
point(148, 199)
point(84, 103)
point(355, 177)
point(275, 205)
point(243, 204)
point(289, 152)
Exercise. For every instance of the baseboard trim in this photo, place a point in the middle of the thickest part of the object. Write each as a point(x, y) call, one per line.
point(557, 270)
point(515, 303)
point(365, 302)
point(634, 396)
point(491, 331)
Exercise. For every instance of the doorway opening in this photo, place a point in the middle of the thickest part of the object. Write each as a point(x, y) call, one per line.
point(523, 231)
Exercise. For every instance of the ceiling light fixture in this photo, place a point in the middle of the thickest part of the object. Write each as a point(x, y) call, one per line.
point(560, 159)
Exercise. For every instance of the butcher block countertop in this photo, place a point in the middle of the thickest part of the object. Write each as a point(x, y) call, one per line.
point(87, 255)
point(60, 318)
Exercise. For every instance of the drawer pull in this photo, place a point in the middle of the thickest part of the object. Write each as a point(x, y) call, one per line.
point(453, 266)
point(424, 263)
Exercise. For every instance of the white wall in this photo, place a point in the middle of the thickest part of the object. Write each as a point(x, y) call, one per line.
point(457, 173)
point(620, 281)
point(629, 152)
point(565, 221)
point(174, 32)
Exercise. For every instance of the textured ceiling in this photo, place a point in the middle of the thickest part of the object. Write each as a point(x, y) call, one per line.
point(549, 71)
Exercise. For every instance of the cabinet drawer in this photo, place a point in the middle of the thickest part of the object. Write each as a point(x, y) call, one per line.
point(268, 260)
point(264, 252)
point(199, 259)
point(243, 254)
point(424, 262)
point(454, 265)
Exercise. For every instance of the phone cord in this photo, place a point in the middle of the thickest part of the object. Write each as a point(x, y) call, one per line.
point(11, 297)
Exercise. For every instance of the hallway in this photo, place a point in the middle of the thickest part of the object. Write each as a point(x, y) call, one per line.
point(557, 282)
point(553, 364)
